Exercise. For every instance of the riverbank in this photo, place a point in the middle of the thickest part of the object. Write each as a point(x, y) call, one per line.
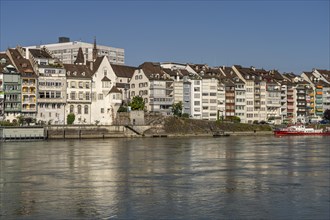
point(169, 127)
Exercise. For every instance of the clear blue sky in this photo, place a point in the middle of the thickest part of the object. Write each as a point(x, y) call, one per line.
point(291, 36)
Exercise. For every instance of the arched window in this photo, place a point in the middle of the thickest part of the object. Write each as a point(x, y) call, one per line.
point(71, 108)
point(86, 109)
point(79, 109)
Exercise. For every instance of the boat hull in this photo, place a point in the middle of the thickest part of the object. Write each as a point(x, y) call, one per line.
point(298, 133)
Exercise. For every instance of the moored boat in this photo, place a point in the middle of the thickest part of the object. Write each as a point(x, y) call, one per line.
point(301, 130)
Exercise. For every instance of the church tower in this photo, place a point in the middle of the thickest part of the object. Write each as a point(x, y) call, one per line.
point(94, 50)
point(80, 60)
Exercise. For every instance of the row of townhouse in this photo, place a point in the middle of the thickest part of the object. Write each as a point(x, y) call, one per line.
point(36, 84)
point(246, 92)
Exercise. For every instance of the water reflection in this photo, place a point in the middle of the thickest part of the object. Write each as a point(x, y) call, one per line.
point(185, 178)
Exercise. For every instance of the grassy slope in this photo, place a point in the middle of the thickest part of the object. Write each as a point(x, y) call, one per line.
point(174, 125)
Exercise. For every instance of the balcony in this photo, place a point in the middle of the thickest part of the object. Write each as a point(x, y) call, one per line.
point(161, 101)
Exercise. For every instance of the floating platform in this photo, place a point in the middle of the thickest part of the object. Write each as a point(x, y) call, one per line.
point(22, 133)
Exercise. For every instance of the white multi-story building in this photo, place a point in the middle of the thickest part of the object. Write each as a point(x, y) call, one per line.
point(104, 104)
point(154, 85)
point(209, 98)
point(79, 80)
point(240, 101)
point(67, 51)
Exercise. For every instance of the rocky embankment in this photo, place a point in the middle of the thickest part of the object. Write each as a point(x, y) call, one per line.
point(174, 126)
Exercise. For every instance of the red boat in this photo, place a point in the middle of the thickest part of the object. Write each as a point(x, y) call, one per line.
point(302, 130)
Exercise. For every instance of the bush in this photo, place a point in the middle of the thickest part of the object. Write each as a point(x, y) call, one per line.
point(122, 109)
point(70, 118)
point(7, 123)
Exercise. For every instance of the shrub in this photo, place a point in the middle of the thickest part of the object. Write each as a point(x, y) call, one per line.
point(70, 118)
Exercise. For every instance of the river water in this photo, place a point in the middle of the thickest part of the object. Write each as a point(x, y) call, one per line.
point(167, 178)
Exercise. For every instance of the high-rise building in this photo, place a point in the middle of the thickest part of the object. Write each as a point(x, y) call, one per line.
point(66, 51)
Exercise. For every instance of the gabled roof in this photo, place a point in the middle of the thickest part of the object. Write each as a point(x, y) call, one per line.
point(6, 62)
point(198, 67)
point(106, 79)
point(114, 89)
point(96, 63)
point(325, 74)
point(22, 64)
point(152, 70)
point(40, 53)
point(123, 71)
point(77, 71)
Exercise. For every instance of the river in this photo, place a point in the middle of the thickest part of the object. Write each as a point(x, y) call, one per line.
point(255, 177)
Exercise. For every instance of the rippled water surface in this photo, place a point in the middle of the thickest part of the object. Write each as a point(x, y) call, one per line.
point(167, 178)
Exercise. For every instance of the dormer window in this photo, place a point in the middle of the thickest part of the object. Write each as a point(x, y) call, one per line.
point(3, 61)
point(83, 73)
point(68, 73)
point(74, 73)
point(24, 65)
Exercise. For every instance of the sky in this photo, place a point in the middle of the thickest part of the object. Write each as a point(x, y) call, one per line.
point(287, 35)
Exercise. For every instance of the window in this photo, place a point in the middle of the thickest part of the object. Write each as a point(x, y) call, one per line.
point(73, 95)
point(105, 72)
point(87, 85)
point(71, 108)
point(100, 96)
point(81, 95)
point(87, 96)
point(86, 109)
point(79, 109)
point(80, 84)
point(58, 95)
point(106, 84)
point(102, 110)
point(73, 84)
point(41, 95)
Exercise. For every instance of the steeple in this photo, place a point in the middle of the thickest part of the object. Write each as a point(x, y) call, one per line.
point(94, 50)
point(80, 57)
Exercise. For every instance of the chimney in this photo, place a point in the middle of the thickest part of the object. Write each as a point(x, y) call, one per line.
point(91, 65)
point(27, 53)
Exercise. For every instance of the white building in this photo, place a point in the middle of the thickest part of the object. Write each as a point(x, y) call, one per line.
point(155, 86)
point(67, 51)
point(78, 92)
point(104, 104)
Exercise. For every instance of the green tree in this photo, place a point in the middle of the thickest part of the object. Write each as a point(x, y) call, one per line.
point(70, 118)
point(326, 114)
point(236, 119)
point(137, 103)
point(177, 109)
point(20, 120)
